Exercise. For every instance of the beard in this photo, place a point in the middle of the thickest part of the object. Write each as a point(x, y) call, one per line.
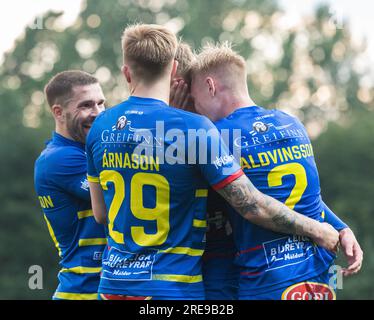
point(77, 127)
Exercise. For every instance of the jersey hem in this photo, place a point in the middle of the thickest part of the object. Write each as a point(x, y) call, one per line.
point(272, 287)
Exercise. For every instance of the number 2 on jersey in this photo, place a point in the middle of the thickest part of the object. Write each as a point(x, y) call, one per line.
point(296, 169)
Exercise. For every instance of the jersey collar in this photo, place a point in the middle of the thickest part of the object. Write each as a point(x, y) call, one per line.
point(61, 140)
point(146, 101)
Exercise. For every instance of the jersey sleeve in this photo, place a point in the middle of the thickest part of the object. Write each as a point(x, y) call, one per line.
point(220, 167)
point(69, 172)
point(333, 219)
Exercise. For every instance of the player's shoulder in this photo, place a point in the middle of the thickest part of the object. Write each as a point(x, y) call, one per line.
point(288, 117)
point(190, 120)
point(275, 113)
point(281, 113)
point(57, 158)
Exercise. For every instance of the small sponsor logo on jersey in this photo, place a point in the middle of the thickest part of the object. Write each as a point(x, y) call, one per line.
point(309, 291)
point(84, 185)
point(260, 127)
point(98, 255)
point(223, 161)
point(121, 123)
point(127, 266)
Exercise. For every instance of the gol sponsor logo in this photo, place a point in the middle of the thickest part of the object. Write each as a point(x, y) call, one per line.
point(309, 291)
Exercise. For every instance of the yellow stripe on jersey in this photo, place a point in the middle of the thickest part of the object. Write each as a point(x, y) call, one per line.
point(182, 250)
point(85, 214)
point(75, 296)
point(82, 270)
point(53, 236)
point(178, 278)
point(93, 179)
point(323, 215)
point(92, 242)
point(201, 193)
point(199, 223)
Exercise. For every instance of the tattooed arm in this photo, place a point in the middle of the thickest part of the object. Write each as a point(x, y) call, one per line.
point(269, 213)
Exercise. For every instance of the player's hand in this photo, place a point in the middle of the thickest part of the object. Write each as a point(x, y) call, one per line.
point(327, 237)
point(352, 251)
point(180, 97)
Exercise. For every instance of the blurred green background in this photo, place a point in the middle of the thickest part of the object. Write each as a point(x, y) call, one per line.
point(314, 71)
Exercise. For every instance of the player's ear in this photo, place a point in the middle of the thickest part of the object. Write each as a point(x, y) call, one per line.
point(58, 112)
point(126, 72)
point(174, 69)
point(211, 86)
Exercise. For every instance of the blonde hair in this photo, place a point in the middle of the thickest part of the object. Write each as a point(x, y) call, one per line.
point(185, 58)
point(214, 57)
point(148, 49)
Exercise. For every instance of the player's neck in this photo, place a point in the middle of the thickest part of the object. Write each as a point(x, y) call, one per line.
point(159, 90)
point(236, 102)
point(63, 132)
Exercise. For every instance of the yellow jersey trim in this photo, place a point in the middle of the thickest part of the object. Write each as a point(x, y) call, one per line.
point(82, 270)
point(181, 250)
point(178, 278)
point(199, 223)
point(201, 193)
point(93, 179)
point(53, 236)
point(92, 242)
point(76, 296)
point(85, 214)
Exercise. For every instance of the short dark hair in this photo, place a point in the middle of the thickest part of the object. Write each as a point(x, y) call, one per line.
point(60, 87)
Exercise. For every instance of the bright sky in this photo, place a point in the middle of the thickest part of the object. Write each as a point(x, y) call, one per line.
point(16, 14)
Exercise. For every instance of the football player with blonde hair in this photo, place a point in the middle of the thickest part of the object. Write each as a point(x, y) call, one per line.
point(277, 156)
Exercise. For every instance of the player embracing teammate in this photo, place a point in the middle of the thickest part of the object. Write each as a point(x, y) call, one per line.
point(152, 195)
point(277, 156)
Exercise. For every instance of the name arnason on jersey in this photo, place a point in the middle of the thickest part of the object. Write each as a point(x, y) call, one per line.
point(134, 161)
point(277, 156)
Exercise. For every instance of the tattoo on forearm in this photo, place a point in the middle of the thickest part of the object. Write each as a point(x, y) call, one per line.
point(247, 201)
point(285, 220)
point(240, 195)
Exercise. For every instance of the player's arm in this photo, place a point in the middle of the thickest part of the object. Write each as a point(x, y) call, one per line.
point(98, 202)
point(227, 178)
point(69, 172)
point(97, 196)
point(333, 219)
point(349, 244)
point(269, 213)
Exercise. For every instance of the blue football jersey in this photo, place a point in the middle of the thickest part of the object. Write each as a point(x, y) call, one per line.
point(61, 184)
point(155, 186)
point(221, 275)
point(277, 156)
